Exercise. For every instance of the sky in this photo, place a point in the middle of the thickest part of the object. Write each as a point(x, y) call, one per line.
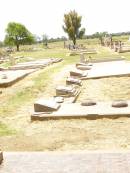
point(46, 16)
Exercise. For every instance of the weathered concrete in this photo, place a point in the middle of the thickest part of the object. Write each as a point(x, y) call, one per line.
point(70, 81)
point(12, 76)
point(35, 64)
point(76, 110)
point(43, 105)
point(108, 69)
point(66, 162)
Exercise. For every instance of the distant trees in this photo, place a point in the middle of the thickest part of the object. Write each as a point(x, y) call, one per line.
point(72, 24)
point(45, 39)
point(17, 34)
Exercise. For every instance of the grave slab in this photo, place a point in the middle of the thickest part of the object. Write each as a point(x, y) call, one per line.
point(9, 77)
point(76, 110)
point(43, 105)
point(66, 162)
point(108, 69)
point(35, 64)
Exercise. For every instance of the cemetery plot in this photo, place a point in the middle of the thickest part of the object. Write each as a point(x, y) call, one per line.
point(9, 77)
point(90, 109)
point(57, 162)
point(84, 51)
point(93, 111)
point(19, 71)
point(35, 64)
point(108, 69)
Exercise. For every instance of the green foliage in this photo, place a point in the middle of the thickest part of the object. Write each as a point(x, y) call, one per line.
point(72, 25)
point(17, 34)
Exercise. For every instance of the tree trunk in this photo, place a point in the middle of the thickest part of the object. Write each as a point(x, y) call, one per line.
point(74, 41)
point(17, 47)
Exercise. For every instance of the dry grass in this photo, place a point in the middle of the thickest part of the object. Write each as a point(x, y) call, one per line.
point(115, 88)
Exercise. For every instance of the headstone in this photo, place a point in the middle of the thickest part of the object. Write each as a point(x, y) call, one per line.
point(71, 80)
point(46, 105)
point(65, 91)
point(77, 73)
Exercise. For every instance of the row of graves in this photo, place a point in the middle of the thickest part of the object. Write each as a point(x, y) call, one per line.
point(78, 49)
point(15, 73)
point(63, 104)
point(12, 74)
point(117, 46)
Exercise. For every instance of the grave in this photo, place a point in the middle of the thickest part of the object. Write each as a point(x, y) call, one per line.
point(43, 105)
point(69, 93)
point(66, 162)
point(9, 77)
point(78, 73)
point(19, 71)
point(82, 51)
point(70, 81)
point(116, 68)
point(65, 91)
point(93, 111)
point(35, 64)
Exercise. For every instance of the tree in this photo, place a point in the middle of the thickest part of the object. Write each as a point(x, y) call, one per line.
point(17, 34)
point(72, 24)
point(45, 39)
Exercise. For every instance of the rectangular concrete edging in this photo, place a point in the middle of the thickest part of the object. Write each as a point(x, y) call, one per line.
point(107, 76)
point(76, 110)
point(7, 84)
point(44, 117)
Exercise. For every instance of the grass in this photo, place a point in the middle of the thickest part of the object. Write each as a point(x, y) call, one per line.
point(5, 130)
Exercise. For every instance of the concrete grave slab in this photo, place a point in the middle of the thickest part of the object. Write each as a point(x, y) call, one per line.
point(108, 69)
point(9, 77)
point(66, 162)
point(43, 105)
point(35, 64)
point(76, 110)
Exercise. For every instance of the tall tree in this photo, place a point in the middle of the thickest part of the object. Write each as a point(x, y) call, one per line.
point(17, 34)
point(72, 24)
